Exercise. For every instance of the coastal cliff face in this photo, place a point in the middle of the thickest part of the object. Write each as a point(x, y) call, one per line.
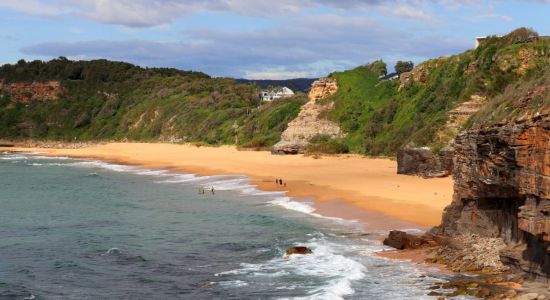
point(25, 92)
point(309, 123)
point(423, 161)
point(502, 189)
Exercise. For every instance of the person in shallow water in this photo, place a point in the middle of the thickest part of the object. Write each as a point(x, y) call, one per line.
point(212, 190)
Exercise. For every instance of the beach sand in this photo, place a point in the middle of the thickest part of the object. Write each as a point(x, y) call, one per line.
point(350, 186)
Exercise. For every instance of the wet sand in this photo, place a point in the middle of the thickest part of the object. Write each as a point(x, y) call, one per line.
point(346, 186)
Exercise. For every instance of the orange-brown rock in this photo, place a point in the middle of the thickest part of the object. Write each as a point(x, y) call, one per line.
point(298, 250)
point(25, 92)
point(322, 88)
point(502, 188)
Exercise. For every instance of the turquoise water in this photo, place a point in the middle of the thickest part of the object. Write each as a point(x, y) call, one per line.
point(84, 229)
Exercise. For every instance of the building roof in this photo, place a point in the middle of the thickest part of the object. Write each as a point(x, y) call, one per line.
point(389, 76)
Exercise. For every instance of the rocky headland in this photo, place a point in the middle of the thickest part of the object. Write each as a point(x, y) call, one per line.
point(499, 220)
point(310, 123)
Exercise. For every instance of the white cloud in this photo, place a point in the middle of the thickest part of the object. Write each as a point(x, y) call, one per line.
point(277, 74)
point(147, 13)
point(307, 46)
point(483, 17)
point(34, 7)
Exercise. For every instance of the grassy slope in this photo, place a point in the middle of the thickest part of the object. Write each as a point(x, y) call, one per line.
point(115, 101)
point(380, 119)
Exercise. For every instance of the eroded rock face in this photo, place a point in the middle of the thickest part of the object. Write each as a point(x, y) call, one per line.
point(502, 188)
point(25, 92)
point(423, 162)
point(458, 116)
point(309, 124)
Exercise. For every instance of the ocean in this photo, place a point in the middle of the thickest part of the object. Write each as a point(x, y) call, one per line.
point(87, 229)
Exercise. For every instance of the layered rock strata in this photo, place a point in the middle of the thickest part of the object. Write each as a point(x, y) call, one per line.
point(309, 122)
point(422, 161)
point(502, 189)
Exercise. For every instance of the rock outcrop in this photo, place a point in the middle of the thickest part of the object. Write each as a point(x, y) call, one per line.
point(309, 122)
point(502, 189)
point(403, 240)
point(423, 162)
point(25, 92)
point(458, 116)
point(298, 250)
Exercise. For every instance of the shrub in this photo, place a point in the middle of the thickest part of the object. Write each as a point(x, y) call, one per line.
point(404, 66)
point(326, 144)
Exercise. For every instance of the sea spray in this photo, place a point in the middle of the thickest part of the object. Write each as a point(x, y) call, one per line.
point(232, 243)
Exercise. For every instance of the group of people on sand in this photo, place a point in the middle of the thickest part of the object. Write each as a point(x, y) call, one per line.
point(202, 191)
point(280, 182)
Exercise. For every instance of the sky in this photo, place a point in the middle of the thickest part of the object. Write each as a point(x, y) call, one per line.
point(257, 39)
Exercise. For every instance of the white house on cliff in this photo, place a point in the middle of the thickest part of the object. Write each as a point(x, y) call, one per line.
point(277, 93)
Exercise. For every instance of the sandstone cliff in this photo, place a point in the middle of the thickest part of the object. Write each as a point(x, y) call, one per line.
point(25, 92)
point(422, 161)
point(502, 188)
point(309, 123)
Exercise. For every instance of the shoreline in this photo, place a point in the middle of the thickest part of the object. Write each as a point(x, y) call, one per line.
point(377, 224)
point(336, 188)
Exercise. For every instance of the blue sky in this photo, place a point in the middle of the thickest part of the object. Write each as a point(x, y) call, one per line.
point(255, 38)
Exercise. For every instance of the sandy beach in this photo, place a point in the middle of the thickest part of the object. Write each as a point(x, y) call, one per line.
point(351, 186)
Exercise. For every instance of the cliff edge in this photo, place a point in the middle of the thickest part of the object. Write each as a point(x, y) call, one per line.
point(309, 123)
point(502, 184)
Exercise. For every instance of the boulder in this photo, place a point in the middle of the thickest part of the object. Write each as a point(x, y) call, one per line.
point(402, 240)
point(421, 161)
point(298, 250)
point(284, 147)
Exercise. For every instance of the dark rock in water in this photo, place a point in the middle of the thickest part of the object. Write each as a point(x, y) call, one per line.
point(298, 250)
point(3, 145)
point(402, 240)
point(423, 162)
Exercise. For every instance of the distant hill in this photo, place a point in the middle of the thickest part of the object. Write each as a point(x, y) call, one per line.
point(105, 100)
point(298, 84)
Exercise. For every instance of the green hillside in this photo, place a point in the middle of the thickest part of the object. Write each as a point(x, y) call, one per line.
point(103, 100)
point(381, 117)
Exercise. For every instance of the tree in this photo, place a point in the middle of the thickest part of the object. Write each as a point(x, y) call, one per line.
point(404, 66)
point(378, 67)
point(521, 35)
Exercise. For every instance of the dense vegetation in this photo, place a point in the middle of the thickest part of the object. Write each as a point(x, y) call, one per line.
point(104, 100)
point(380, 117)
